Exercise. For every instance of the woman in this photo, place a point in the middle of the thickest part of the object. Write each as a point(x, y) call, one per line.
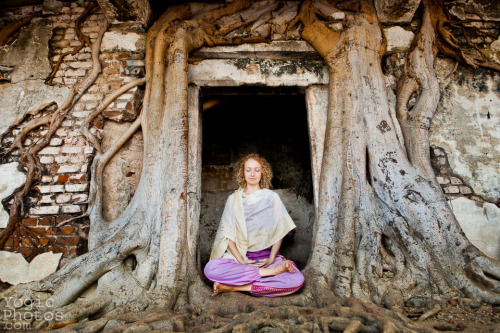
point(245, 255)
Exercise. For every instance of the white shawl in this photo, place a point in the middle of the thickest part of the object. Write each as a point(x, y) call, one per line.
point(254, 222)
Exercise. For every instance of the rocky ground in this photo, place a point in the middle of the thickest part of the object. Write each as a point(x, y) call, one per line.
point(459, 314)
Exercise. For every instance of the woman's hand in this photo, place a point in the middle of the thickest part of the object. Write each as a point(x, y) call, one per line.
point(269, 261)
point(259, 263)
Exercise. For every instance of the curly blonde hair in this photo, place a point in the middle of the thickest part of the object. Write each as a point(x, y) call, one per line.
point(267, 171)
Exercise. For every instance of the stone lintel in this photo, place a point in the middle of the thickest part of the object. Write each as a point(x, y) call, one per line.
point(272, 50)
point(264, 72)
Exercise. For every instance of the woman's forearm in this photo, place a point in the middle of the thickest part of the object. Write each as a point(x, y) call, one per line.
point(275, 249)
point(234, 251)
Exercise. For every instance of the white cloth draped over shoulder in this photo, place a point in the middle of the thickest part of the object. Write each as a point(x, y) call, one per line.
point(253, 221)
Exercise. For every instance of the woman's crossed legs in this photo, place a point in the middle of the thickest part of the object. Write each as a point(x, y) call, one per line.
point(281, 278)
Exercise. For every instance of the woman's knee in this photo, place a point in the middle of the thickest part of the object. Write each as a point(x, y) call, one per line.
point(297, 279)
point(210, 269)
point(213, 268)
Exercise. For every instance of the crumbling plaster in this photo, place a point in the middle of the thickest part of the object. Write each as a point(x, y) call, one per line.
point(29, 58)
point(466, 126)
point(116, 40)
point(480, 223)
point(10, 179)
point(14, 269)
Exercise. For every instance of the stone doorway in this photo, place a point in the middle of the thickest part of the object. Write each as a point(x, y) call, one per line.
point(273, 123)
point(254, 72)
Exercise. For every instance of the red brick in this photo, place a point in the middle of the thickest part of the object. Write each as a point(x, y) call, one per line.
point(26, 242)
point(62, 218)
point(46, 221)
point(59, 249)
point(30, 222)
point(25, 251)
point(111, 70)
point(63, 262)
point(98, 123)
point(68, 240)
point(123, 55)
point(67, 230)
point(44, 231)
point(73, 251)
point(54, 169)
point(11, 242)
point(44, 241)
point(62, 179)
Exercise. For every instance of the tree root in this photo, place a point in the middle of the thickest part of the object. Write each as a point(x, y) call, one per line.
point(64, 287)
point(84, 40)
point(449, 45)
point(419, 78)
point(12, 28)
point(430, 313)
point(279, 318)
point(33, 120)
point(104, 104)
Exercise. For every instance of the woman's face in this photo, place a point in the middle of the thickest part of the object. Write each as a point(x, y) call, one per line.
point(253, 172)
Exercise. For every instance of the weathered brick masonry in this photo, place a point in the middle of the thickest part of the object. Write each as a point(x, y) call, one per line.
point(63, 190)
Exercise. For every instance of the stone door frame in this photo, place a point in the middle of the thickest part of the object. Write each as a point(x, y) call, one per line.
point(290, 63)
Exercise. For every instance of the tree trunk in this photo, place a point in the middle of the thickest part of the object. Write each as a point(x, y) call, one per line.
point(383, 234)
point(394, 237)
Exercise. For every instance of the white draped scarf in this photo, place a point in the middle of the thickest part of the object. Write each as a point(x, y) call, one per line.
point(254, 222)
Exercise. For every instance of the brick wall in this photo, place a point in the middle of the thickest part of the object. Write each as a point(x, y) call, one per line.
point(452, 185)
point(63, 190)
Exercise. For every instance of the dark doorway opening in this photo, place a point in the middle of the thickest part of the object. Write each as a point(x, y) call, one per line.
point(268, 121)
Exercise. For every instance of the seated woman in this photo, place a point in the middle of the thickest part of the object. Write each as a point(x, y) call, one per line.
point(245, 255)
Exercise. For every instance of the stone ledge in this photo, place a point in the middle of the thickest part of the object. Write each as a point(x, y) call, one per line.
point(273, 50)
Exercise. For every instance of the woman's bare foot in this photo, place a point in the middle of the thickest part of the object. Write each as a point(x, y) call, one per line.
point(285, 267)
point(224, 288)
point(278, 269)
point(218, 288)
point(221, 288)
